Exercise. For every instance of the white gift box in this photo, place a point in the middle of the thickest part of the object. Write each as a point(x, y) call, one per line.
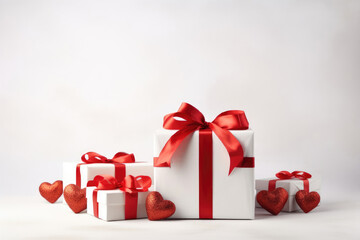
point(233, 195)
point(111, 203)
point(292, 186)
point(89, 171)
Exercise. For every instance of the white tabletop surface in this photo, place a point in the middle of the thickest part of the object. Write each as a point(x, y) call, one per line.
point(34, 218)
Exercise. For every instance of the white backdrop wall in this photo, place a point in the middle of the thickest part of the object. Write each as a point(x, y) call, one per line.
point(80, 76)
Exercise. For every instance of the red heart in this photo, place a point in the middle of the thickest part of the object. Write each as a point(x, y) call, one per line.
point(307, 201)
point(51, 192)
point(273, 201)
point(157, 208)
point(75, 198)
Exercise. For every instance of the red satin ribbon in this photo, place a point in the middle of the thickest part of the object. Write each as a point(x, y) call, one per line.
point(283, 175)
point(205, 174)
point(194, 120)
point(130, 185)
point(118, 160)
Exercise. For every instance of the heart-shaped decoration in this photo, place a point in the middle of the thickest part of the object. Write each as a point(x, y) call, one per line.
point(157, 208)
point(75, 197)
point(273, 201)
point(307, 201)
point(51, 192)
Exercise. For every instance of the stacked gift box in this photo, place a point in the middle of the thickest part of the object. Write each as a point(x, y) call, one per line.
point(110, 204)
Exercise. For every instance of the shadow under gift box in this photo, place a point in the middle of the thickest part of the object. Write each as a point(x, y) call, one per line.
point(233, 195)
point(89, 171)
point(111, 203)
point(292, 186)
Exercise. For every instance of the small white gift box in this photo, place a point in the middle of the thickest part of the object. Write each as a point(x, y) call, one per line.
point(292, 186)
point(116, 204)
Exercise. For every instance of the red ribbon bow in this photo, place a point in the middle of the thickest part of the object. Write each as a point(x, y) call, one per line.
point(283, 175)
point(130, 184)
point(120, 157)
point(295, 174)
point(194, 120)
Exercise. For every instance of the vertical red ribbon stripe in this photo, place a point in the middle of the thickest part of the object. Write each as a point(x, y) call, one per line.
point(78, 174)
point(131, 202)
point(272, 184)
point(205, 174)
point(95, 203)
point(306, 185)
point(120, 172)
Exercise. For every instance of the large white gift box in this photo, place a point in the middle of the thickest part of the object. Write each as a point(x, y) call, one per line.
point(292, 186)
point(233, 195)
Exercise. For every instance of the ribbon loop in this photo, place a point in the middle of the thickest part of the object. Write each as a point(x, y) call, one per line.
point(120, 157)
point(232, 120)
point(133, 184)
point(93, 157)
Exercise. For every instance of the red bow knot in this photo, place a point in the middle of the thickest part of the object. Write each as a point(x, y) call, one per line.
point(194, 120)
point(130, 184)
point(295, 174)
point(120, 157)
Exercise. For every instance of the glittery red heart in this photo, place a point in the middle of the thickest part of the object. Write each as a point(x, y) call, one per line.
point(51, 192)
point(157, 208)
point(307, 201)
point(273, 201)
point(75, 198)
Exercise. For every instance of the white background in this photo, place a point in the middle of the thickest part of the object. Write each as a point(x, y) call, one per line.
point(80, 76)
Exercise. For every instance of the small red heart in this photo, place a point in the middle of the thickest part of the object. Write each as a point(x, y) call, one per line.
point(157, 208)
point(273, 201)
point(75, 198)
point(307, 201)
point(51, 192)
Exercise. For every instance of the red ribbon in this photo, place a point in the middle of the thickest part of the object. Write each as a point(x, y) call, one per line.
point(283, 175)
point(194, 120)
point(118, 160)
point(130, 185)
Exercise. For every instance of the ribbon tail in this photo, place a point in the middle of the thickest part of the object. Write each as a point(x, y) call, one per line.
point(232, 145)
point(164, 159)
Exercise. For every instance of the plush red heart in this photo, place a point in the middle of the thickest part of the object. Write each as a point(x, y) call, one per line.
point(157, 208)
point(273, 201)
point(75, 197)
point(307, 201)
point(51, 192)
